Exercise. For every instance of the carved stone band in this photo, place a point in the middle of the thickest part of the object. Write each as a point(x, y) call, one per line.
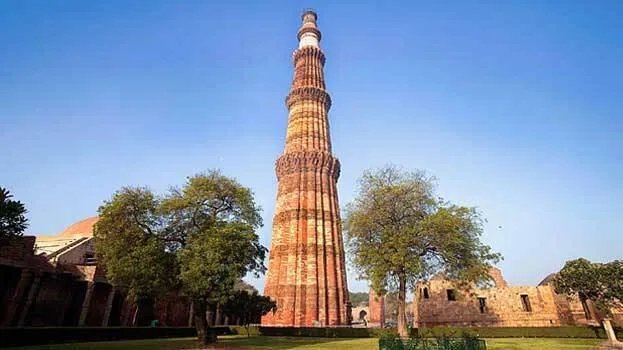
point(308, 30)
point(307, 214)
point(304, 249)
point(307, 161)
point(308, 93)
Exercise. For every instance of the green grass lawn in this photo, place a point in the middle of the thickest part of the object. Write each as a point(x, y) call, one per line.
point(265, 343)
point(529, 343)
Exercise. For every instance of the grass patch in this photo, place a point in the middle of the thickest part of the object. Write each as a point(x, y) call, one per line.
point(302, 343)
point(532, 343)
point(159, 344)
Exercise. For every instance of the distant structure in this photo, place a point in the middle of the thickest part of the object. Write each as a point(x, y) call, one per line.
point(440, 303)
point(376, 309)
point(306, 270)
point(56, 280)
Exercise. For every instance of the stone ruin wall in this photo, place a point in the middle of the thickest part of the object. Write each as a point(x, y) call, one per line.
point(503, 306)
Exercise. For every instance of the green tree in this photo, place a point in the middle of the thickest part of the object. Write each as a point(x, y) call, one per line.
point(399, 232)
point(358, 298)
point(248, 307)
point(128, 246)
point(601, 283)
point(13, 221)
point(200, 238)
point(211, 224)
point(242, 285)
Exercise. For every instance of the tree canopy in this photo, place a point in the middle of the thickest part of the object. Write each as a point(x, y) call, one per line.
point(399, 232)
point(200, 237)
point(358, 298)
point(129, 246)
point(13, 221)
point(600, 282)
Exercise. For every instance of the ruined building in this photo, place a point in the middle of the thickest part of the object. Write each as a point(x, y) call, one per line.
point(56, 281)
point(306, 269)
point(440, 303)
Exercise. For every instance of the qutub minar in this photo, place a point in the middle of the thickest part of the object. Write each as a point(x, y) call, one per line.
point(307, 270)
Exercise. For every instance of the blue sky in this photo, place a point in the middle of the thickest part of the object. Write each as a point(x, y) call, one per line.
point(514, 106)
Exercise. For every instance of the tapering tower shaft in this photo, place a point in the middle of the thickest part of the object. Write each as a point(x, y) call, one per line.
point(306, 269)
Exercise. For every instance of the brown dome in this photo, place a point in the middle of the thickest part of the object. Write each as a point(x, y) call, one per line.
point(82, 228)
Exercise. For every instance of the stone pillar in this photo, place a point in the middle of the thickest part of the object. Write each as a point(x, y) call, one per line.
point(109, 302)
point(165, 314)
point(609, 331)
point(191, 311)
point(415, 309)
point(16, 297)
point(32, 294)
point(217, 320)
point(65, 302)
point(210, 316)
point(86, 303)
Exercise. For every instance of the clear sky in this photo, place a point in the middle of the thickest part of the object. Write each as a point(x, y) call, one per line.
point(515, 106)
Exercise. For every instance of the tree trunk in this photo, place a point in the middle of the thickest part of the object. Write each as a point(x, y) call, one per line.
point(205, 334)
point(402, 305)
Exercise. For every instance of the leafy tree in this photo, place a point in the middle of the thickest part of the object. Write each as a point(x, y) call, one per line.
point(248, 307)
point(242, 285)
point(399, 232)
point(358, 298)
point(601, 283)
point(211, 225)
point(13, 220)
point(200, 238)
point(128, 246)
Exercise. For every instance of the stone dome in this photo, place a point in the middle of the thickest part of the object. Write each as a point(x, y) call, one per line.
point(82, 228)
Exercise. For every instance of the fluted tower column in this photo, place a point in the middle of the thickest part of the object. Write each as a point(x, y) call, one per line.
point(306, 268)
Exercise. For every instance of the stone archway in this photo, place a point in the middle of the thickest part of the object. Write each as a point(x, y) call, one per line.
point(362, 315)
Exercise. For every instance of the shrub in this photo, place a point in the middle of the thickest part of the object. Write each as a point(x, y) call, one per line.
point(253, 330)
point(393, 342)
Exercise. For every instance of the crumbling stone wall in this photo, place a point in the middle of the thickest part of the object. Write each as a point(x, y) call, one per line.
point(17, 250)
point(440, 303)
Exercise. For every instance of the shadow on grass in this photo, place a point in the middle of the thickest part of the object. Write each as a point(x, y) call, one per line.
point(224, 342)
point(280, 343)
point(145, 344)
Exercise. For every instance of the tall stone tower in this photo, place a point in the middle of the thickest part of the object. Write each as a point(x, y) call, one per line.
point(306, 269)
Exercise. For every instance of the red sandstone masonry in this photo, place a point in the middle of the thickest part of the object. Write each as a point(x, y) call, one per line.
point(376, 309)
point(306, 269)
